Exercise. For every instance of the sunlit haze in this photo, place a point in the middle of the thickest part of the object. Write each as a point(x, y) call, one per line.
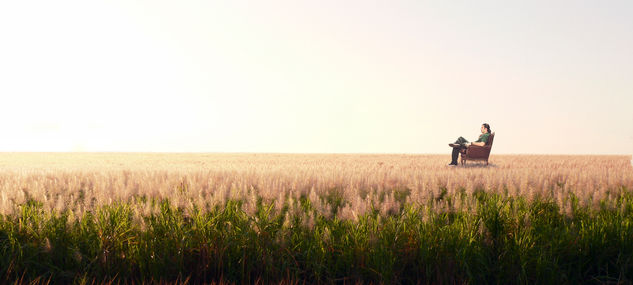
point(550, 77)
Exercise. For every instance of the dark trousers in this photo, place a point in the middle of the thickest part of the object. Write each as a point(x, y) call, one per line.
point(462, 145)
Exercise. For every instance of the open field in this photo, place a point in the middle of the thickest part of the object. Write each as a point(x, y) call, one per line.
point(316, 218)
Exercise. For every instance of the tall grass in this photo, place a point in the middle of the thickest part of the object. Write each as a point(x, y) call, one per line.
point(315, 218)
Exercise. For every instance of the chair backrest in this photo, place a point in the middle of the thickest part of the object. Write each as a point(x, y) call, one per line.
point(490, 139)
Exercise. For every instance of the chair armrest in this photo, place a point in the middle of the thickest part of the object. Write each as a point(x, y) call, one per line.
point(478, 147)
point(478, 151)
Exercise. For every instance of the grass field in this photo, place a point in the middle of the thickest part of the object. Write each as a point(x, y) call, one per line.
point(247, 218)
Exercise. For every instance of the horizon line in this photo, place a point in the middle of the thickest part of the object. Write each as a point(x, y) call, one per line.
point(297, 153)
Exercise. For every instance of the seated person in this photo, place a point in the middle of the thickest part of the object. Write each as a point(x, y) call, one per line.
point(462, 143)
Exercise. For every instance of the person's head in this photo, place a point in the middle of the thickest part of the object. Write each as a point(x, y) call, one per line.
point(485, 128)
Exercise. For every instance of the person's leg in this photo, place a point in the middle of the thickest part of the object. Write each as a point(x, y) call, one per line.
point(457, 146)
point(461, 141)
point(455, 155)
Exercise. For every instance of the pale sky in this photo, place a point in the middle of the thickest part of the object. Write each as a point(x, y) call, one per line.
point(550, 77)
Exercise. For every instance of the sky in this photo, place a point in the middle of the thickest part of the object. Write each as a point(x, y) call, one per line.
point(550, 77)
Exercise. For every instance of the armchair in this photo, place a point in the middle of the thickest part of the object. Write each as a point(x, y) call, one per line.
point(481, 153)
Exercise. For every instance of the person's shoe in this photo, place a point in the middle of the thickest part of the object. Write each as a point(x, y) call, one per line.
point(452, 164)
point(454, 145)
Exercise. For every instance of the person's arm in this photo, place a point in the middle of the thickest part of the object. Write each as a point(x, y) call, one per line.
point(481, 141)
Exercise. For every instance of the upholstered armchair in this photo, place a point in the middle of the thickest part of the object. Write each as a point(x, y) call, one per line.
point(481, 153)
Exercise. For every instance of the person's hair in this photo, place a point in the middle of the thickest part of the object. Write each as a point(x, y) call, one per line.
point(487, 128)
